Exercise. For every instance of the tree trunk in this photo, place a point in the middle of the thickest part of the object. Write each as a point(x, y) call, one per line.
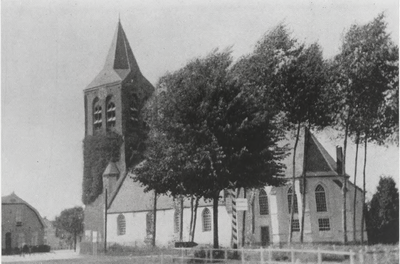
point(253, 216)
point(153, 242)
point(215, 219)
point(105, 220)
point(196, 205)
point(293, 184)
point(344, 189)
point(355, 189)
point(244, 222)
point(303, 203)
point(181, 220)
point(74, 241)
point(191, 218)
point(364, 176)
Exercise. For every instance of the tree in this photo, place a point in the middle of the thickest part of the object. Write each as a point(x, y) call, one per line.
point(294, 77)
point(71, 221)
point(383, 213)
point(214, 130)
point(367, 80)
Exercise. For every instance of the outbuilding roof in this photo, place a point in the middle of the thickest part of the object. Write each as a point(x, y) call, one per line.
point(14, 199)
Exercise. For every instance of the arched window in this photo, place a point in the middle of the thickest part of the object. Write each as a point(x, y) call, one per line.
point(97, 117)
point(206, 216)
point(110, 113)
point(121, 225)
point(263, 202)
point(289, 197)
point(176, 221)
point(320, 198)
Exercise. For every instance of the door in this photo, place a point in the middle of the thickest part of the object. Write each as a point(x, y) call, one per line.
point(8, 243)
point(264, 236)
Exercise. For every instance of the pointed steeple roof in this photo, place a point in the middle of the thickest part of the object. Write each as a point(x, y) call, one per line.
point(120, 64)
point(318, 163)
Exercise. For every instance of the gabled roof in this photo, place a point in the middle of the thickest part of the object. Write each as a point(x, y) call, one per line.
point(319, 161)
point(14, 199)
point(120, 65)
point(111, 169)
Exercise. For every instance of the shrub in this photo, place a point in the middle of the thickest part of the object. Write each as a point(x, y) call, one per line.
point(217, 255)
point(40, 248)
point(98, 151)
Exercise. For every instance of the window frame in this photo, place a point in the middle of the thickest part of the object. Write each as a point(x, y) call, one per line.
point(206, 220)
point(320, 199)
point(149, 223)
point(177, 221)
point(263, 202)
point(324, 224)
point(296, 225)
point(111, 119)
point(97, 114)
point(18, 217)
point(291, 194)
point(121, 225)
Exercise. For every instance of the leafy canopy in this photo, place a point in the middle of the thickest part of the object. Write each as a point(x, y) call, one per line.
point(366, 81)
point(210, 129)
point(71, 220)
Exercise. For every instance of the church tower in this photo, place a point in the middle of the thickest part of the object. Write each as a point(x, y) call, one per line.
point(117, 93)
point(113, 101)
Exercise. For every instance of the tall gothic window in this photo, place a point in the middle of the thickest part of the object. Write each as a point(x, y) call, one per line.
point(263, 202)
point(289, 196)
point(121, 225)
point(97, 117)
point(320, 198)
point(110, 113)
point(206, 217)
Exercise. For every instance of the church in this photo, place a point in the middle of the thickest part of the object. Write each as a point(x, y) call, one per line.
point(122, 212)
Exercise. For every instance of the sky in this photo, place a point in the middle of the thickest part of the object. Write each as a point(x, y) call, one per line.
point(52, 49)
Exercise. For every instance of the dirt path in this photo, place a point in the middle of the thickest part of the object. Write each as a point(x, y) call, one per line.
point(53, 255)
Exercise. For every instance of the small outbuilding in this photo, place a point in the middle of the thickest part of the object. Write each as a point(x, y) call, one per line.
point(21, 224)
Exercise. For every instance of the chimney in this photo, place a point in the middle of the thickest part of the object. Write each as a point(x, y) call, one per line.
point(339, 160)
point(110, 177)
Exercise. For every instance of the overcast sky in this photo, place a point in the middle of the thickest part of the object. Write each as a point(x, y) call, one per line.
point(51, 50)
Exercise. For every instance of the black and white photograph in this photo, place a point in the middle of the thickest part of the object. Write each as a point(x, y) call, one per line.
point(204, 131)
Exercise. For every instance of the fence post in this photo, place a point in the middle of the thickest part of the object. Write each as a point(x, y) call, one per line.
point(261, 255)
point(361, 256)
point(181, 256)
point(292, 254)
point(375, 256)
point(162, 258)
point(226, 254)
point(269, 254)
point(211, 255)
point(351, 257)
point(319, 256)
point(242, 255)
